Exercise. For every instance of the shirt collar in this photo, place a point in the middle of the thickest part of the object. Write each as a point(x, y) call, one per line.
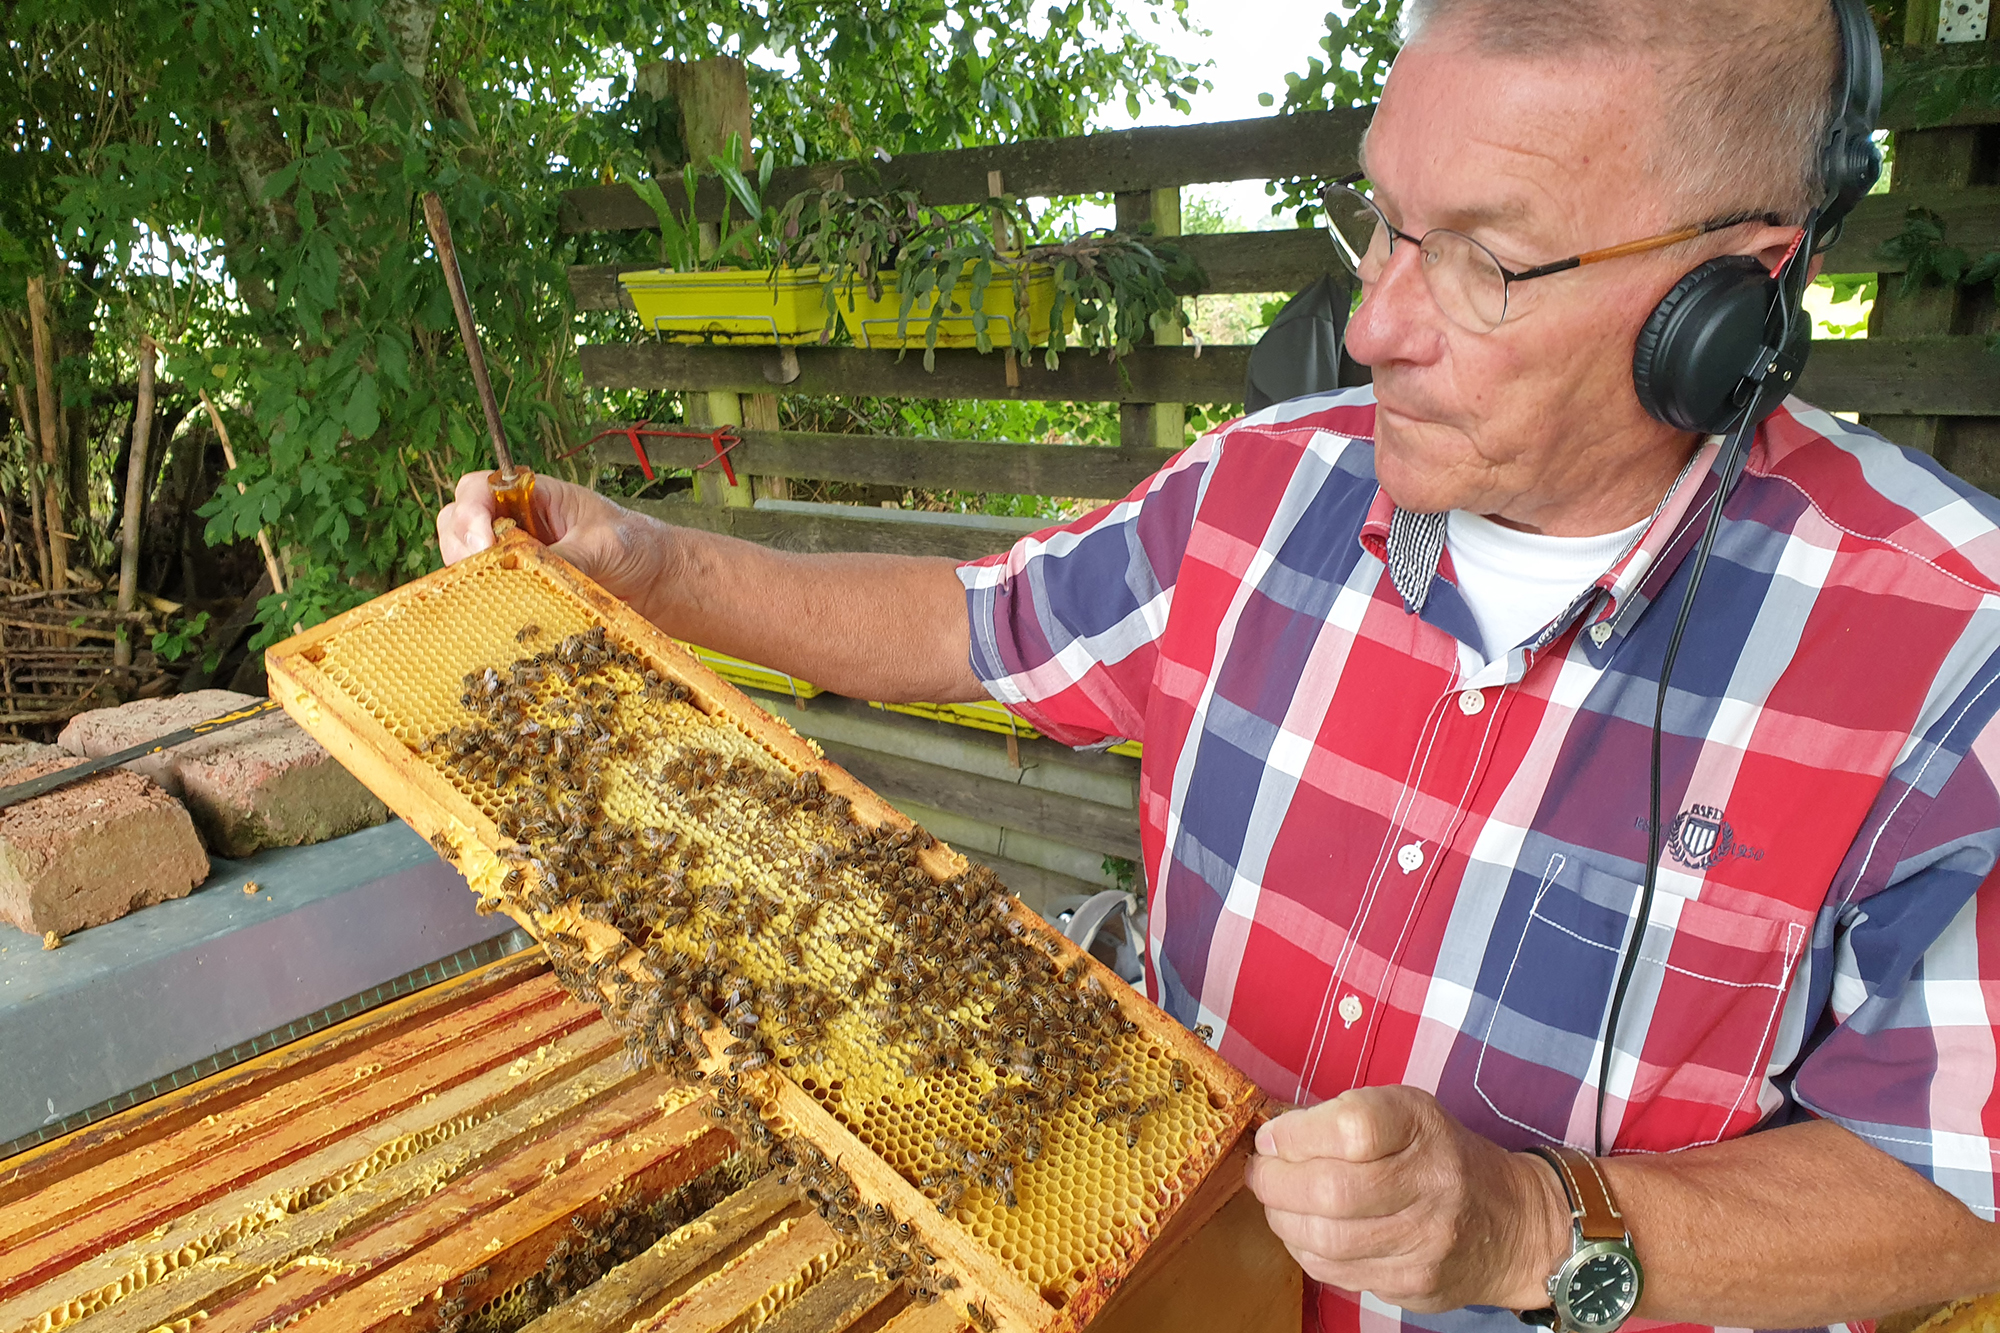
point(1411, 545)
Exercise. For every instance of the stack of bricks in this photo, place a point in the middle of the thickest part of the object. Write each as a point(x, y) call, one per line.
point(143, 833)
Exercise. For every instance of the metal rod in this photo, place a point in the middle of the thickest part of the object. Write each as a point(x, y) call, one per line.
point(48, 782)
point(135, 495)
point(440, 227)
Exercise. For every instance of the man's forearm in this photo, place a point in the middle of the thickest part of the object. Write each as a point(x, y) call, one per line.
point(871, 626)
point(1796, 1226)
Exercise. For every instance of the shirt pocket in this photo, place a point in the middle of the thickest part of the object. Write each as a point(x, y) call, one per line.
point(1695, 1034)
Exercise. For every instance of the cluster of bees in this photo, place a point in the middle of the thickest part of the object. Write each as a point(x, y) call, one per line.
point(893, 1245)
point(945, 972)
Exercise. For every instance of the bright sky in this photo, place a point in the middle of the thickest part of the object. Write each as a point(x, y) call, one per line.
point(1253, 44)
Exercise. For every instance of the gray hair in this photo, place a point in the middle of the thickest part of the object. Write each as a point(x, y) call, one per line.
point(1748, 85)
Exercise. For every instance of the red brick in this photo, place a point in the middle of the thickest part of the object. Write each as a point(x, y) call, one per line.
point(90, 852)
point(258, 784)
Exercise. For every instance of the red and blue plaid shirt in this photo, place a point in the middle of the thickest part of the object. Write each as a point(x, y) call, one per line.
point(1375, 858)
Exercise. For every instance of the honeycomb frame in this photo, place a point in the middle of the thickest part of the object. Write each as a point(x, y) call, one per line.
point(318, 677)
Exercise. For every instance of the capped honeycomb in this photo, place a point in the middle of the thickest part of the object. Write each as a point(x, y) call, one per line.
point(741, 909)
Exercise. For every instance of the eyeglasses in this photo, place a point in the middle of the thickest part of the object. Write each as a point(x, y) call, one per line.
point(1469, 284)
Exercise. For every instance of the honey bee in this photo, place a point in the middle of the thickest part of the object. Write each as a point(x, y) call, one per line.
point(1205, 1033)
point(1003, 1184)
point(951, 1187)
point(981, 1317)
point(1178, 1074)
point(444, 847)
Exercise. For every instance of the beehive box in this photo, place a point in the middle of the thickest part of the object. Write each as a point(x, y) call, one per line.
point(479, 1157)
point(1000, 1122)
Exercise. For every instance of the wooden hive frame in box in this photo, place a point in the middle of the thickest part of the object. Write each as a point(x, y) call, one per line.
point(727, 813)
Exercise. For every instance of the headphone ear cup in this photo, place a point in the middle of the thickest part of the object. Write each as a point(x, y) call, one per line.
point(1694, 350)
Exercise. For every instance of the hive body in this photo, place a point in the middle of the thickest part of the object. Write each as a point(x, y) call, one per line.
point(735, 902)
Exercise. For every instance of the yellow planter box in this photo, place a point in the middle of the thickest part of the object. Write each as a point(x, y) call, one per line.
point(729, 305)
point(873, 323)
point(984, 714)
point(739, 672)
point(987, 715)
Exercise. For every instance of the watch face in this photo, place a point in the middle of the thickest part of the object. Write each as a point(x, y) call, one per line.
point(1602, 1290)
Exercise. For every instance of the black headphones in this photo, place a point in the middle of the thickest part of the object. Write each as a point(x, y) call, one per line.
point(1730, 338)
point(1718, 354)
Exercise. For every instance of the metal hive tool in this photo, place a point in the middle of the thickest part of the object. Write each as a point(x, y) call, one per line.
point(996, 1118)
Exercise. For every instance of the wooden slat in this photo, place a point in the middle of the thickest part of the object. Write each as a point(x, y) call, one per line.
point(174, 1111)
point(1907, 73)
point(835, 1301)
point(820, 533)
point(943, 1317)
point(1321, 143)
point(264, 1132)
point(235, 1163)
point(1100, 828)
point(1231, 1273)
point(1312, 143)
point(1287, 259)
point(186, 1236)
point(1945, 376)
point(471, 1203)
point(968, 465)
point(1971, 221)
point(552, 1104)
point(515, 1239)
point(1948, 376)
point(1146, 375)
point(638, 1286)
point(1317, 143)
point(795, 1253)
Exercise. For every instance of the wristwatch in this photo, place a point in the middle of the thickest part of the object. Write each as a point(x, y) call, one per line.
point(1597, 1287)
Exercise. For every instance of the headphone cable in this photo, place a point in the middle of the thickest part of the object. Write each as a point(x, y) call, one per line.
point(1731, 453)
point(1790, 291)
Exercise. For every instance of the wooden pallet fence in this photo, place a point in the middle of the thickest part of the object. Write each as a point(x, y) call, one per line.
point(974, 465)
point(1316, 143)
point(1291, 259)
point(1951, 375)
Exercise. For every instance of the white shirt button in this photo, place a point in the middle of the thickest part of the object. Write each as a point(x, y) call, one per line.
point(1350, 1009)
point(1600, 632)
point(1411, 857)
point(1471, 702)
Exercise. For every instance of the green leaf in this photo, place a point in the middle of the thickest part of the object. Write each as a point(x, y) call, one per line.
point(364, 409)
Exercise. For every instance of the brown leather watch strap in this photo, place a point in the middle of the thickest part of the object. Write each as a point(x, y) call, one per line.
point(1597, 1217)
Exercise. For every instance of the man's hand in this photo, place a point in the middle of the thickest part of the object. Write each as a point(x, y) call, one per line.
point(1381, 1190)
point(626, 553)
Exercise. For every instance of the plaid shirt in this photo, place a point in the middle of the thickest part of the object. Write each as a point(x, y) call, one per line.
point(1375, 858)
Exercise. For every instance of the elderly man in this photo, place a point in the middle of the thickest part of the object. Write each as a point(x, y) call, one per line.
point(1393, 654)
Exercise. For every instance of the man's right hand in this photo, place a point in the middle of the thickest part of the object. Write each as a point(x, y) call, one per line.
point(624, 552)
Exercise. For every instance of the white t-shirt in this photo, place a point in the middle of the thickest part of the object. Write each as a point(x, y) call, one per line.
point(1516, 582)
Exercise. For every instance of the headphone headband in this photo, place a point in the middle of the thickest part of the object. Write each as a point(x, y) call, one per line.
point(1850, 162)
point(1726, 344)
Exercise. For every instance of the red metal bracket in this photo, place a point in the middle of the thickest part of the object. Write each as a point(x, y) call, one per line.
point(722, 439)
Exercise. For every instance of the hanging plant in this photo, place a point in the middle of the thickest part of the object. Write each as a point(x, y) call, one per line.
point(850, 232)
point(859, 235)
point(744, 245)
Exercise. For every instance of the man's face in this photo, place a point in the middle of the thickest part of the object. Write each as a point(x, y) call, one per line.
point(1535, 422)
